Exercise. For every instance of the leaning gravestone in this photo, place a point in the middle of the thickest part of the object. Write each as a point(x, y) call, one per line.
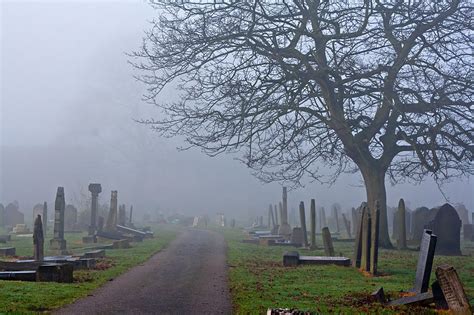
point(447, 226)
point(419, 220)
point(38, 239)
point(58, 243)
point(453, 290)
point(327, 241)
point(425, 262)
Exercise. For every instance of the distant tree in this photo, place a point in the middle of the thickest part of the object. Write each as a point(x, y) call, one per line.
point(380, 87)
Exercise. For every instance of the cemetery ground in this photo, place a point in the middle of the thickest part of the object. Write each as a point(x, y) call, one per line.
point(258, 279)
point(31, 297)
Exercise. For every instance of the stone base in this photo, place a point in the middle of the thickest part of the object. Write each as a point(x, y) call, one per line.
point(285, 230)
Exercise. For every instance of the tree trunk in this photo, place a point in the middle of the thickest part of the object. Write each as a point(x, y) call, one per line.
point(374, 179)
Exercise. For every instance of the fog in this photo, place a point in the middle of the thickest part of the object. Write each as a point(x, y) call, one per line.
point(68, 108)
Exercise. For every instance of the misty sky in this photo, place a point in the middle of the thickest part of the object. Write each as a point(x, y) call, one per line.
point(68, 104)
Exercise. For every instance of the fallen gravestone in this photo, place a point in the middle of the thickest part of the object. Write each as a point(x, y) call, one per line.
point(292, 259)
point(453, 290)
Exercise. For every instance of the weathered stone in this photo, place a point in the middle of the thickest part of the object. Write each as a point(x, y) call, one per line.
point(420, 298)
point(44, 217)
point(374, 238)
point(366, 234)
point(271, 218)
point(55, 273)
point(70, 218)
point(347, 226)
point(425, 262)
point(29, 275)
point(7, 251)
point(358, 237)
point(95, 190)
point(447, 226)
point(313, 223)
point(327, 242)
point(291, 259)
point(468, 232)
point(335, 215)
point(99, 253)
point(38, 239)
point(285, 228)
point(303, 224)
point(419, 221)
point(112, 217)
point(276, 216)
point(58, 243)
point(297, 236)
point(453, 290)
point(402, 233)
point(12, 215)
point(378, 296)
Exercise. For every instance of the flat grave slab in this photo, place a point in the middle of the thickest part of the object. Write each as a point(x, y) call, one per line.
point(421, 298)
point(100, 253)
point(251, 241)
point(294, 259)
point(29, 275)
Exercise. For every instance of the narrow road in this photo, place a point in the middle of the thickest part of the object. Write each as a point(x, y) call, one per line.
point(188, 277)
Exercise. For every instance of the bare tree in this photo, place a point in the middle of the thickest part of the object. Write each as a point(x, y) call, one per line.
point(380, 87)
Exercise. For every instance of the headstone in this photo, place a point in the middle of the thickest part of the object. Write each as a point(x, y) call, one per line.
point(303, 224)
point(271, 218)
point(463, 213)
point(70, 218)
point(276, 215)
point(402, 233)
point(62, 273)
point(297, 236)
point(291, 259)
point(285, 228)
point(418, 221)
point(374, 238)
point(313, 224)
point(130, 222)
point(347, 226)
point(45, 218)
point(7, 251)
point(12, 215)
point(58, 242)
point(447, 226)
point(122, 216)
point(366, 234)
point(468, 231)
point(453, 290)
point(355, 220)
point(356, 262)
point(38, 239)
point(425, 262)
point(327, 241)
point(95, 190)
point(335, 215)
point(112, 217)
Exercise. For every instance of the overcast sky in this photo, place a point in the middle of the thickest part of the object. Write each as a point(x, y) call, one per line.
point(68, 104)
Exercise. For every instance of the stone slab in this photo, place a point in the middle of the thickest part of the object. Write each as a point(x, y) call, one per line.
point(100, 253)
point(324, 260)
point(62, 273)
point(421, 298)
point(7, 251)
point(29, 275)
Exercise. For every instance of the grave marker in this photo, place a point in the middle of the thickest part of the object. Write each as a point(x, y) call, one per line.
point(38, 239)
point(313, 224)
point(58, 242)
point(95, 190)
point(402, 233)
point(446, 224)
point(374, 239)
point(112, 217)
point(327, 241)
point(284, 228)
point(453, 290)
point(347, 225)
point(356, 262)
point(366, 233)
point(303, 224)
point(425, 262)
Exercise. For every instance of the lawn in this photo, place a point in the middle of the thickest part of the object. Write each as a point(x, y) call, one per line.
point(32, 297)
point(259, 281)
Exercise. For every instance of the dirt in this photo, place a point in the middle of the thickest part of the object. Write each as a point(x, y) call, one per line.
point(188, 277)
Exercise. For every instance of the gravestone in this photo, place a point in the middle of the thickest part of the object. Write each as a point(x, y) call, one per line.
point(335, 215)
point(358, 236)
point(38, 239)
point(355, 219)
point(7, 251)
point(297, 236)
point(468, 230)
point(313, 224)
point(327, 241)
point(112, 217)
point(45, 218)
point(347, 226)
point(463, 213)
point(365, 236)
point(271, 218)
point(95, 190)
point(374, 238)
point(447, 226)
point(70, 218)
point(303, 224)
point(453, 290)
point(122, 216)
point(130, 222)
point(323, 220)
point(58, 243)
point(401, 235)
point(285, 228)
point(419, 221)
point(425, 262)
point(12, 215)
point(276, 216)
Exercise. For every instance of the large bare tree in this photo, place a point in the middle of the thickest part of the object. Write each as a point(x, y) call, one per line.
point(380, 87)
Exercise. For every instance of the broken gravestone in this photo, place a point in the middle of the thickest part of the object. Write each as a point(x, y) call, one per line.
point(453, 290)
point(425, 262)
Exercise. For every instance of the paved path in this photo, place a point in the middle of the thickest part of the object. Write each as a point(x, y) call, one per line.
point(188, 277)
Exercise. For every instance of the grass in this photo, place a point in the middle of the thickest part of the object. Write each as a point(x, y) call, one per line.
point(33, 297)
point(259, 281)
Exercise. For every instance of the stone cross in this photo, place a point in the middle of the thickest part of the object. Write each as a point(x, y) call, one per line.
point(313, 223)
point(402, 233)
point(453, 290)
point(303, 224)
point(58, 242)
point(112, 217)
point(45, 217)
point(95, 190)
point(366, 234)
point(38, 239)
point(425, 262)
point(327, 241)
point(374, 238)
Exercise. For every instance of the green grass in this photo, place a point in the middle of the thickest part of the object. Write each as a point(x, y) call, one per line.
point(31, 297)
point(259, 281)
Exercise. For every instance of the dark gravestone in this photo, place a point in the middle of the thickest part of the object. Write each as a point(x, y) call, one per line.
point(425, 262)
point(401, 226)
point(347, 225)
point(38, 239)
point(297, 236)
point(58, 242)
point(447, 227)
point(419, 221)
point(327, 241)
point(303, 224)
point(55, 273)
point(291, 259)
point(468, 231)
point(7, 251)
point(313, 223)
point(374, 239)
point(453, 290)
point(358, 237)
